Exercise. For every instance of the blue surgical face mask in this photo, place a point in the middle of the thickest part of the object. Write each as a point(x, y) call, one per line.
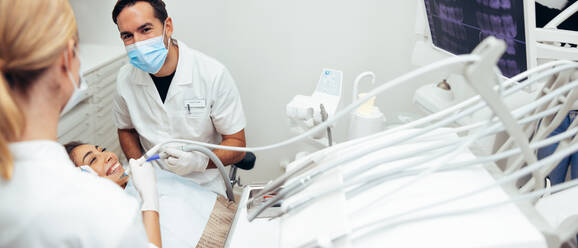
point(148, 55)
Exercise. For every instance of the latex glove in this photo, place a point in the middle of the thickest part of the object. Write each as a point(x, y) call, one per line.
point(183, 163)
point(145, 181)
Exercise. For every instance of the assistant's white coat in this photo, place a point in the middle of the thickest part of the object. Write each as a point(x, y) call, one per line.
point(50, 203)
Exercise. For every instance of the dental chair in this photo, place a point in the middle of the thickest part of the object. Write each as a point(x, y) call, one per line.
point(247, 163)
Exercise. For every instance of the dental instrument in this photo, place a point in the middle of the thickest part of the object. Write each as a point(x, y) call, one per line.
point(306, 162)
point(304, 181)
point(526, 170)
point(324, 116)
point(154, 157)
point(526, 120)
point(354, 155)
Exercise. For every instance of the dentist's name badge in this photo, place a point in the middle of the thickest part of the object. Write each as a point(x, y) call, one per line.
point(195, 108)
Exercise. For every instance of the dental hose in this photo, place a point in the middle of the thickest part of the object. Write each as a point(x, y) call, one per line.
point(203, 150)
point(218, 163)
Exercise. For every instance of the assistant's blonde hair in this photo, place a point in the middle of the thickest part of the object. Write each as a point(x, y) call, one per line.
point(33, 35)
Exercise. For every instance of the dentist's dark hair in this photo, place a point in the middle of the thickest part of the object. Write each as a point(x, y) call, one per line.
point(33, 36)
point(158, 6)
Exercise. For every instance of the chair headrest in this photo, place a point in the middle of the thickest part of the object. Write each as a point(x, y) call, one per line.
point(248, 162)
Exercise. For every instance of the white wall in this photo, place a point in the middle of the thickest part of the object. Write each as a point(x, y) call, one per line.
point(277, 49)
point(95, 23)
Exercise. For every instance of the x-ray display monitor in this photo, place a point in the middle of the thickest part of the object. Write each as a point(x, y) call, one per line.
point(458, 26)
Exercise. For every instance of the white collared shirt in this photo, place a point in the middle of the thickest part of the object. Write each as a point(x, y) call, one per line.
point(50, 203)
point(202, 104)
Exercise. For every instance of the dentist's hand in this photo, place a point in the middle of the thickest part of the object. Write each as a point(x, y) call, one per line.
point(183, 163)
point(145, 181)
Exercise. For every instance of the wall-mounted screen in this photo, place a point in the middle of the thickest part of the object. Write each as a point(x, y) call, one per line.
point(458, 26)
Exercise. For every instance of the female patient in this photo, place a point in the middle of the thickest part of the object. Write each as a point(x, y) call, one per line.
point(190, 216)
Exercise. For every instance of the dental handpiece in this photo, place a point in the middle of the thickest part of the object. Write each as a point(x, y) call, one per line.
point(157, 156)
point(154, 157)
point(324, 116)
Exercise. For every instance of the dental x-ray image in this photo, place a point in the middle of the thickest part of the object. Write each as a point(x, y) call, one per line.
point(458, 26)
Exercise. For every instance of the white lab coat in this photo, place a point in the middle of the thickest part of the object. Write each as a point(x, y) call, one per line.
point(50, 203)
point(202, 104)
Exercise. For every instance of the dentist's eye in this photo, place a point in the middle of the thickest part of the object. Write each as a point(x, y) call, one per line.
point(126, 37)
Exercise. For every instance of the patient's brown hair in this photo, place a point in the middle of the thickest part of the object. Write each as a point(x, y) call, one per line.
point(70, 146)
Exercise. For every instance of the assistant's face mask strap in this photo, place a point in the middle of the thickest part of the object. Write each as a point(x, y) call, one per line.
point(69, 72)
point(79, 88)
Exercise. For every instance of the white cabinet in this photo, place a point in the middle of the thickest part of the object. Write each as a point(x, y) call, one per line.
point(92, 120)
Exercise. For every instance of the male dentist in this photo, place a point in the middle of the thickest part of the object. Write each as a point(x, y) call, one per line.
point(170, 91)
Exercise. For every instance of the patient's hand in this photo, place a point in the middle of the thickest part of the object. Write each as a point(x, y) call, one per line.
point(145, 182)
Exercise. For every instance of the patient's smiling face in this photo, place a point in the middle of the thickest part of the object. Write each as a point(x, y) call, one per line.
point(103, 162)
